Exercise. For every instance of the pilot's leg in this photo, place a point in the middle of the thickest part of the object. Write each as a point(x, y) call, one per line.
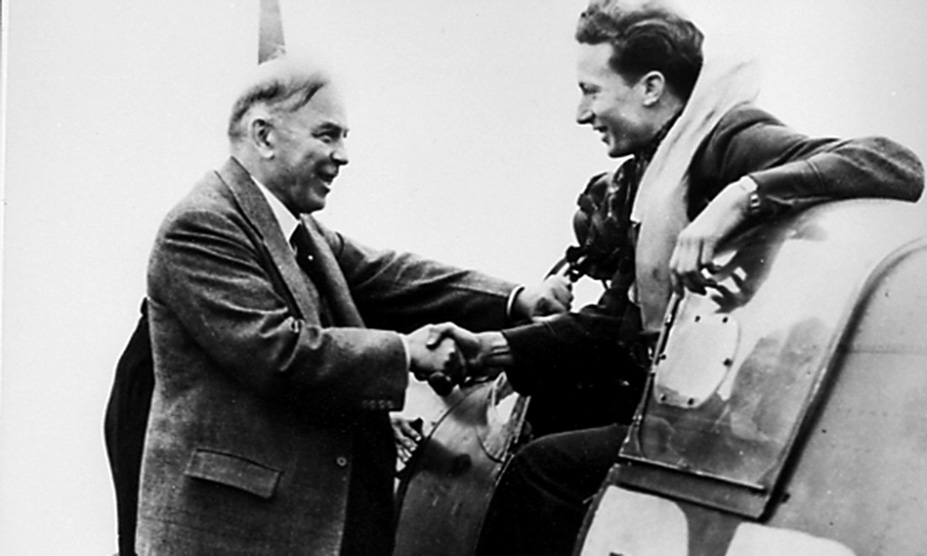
point(541, 499)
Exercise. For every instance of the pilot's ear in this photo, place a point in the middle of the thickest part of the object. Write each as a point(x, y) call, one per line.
point(261, 133)
point(653, 84)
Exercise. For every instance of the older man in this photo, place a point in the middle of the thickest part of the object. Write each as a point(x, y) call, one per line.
point(702, 161)
point(269, 429)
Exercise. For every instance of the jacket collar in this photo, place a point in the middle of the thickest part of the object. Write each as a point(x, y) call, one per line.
point(257, 211)
point(331, 279)
point(331, 282)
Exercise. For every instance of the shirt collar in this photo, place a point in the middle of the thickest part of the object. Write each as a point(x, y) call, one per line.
point(645, 154)
point(284, 217)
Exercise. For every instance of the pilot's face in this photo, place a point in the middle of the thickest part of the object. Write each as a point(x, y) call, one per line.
point(309, 151)
point(612, 105)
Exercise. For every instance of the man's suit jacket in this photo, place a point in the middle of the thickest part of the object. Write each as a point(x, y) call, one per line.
point(257, 406)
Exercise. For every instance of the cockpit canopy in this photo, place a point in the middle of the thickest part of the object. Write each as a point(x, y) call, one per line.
point(742, 368)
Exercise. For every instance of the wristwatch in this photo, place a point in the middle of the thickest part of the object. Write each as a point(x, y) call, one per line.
point(754, 202)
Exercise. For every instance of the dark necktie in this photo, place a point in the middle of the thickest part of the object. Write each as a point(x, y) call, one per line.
point(305, 258)
point(302, 243)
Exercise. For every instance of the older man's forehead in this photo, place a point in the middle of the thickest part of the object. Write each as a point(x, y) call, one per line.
point(325, 110)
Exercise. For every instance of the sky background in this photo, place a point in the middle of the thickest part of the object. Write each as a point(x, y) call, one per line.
point(463, 146)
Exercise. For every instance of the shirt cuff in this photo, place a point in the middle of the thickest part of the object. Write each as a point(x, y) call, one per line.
point(406, 351)
point(510, 304)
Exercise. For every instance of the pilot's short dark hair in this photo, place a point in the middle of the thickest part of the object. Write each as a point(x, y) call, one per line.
point(645, 36)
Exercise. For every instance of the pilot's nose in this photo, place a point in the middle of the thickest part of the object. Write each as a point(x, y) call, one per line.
point(583, 112)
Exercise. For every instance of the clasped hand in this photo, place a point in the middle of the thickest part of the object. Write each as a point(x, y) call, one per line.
point(553, 295)
point(435, 358)
point(445, 355)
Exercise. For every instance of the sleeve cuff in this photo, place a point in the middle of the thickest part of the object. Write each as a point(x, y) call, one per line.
point(406, 352)
point(510, 304)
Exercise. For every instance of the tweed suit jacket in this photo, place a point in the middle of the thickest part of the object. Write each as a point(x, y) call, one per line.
point(249, 442)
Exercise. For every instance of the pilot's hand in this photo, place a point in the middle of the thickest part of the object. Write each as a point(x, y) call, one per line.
point(485, 353)
point(696, 245)
point(467, 343)
point(553, 295)
point(434, 357)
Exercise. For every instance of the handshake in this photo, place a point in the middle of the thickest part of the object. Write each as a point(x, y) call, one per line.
point(445, 355)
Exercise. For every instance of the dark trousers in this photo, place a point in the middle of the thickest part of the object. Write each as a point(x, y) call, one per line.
point(543, 495)
point(369, 528)
point(124, 428)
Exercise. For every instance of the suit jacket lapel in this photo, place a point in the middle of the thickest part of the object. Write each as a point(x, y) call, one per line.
point(336, 289)
point(257, 211)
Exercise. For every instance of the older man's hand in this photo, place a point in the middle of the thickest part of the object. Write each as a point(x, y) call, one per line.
point(433, 359)
point(553, 295)
point(485, 353)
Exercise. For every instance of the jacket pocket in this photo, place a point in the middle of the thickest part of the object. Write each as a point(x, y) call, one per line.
point(233, 471)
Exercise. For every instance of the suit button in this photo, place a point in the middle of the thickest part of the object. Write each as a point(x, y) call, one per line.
point(341, 461)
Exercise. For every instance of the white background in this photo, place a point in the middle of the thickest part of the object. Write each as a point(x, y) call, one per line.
point(463, 148)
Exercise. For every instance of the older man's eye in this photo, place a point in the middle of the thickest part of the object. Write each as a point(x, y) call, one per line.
point(329, 135)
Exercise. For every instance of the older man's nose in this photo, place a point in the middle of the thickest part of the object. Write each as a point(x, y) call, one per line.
point(340, 154)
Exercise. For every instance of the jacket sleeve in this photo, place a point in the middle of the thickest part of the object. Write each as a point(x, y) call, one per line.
point(793, 170)
point(583, 346)
point(210, 272)
point(401, 291)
